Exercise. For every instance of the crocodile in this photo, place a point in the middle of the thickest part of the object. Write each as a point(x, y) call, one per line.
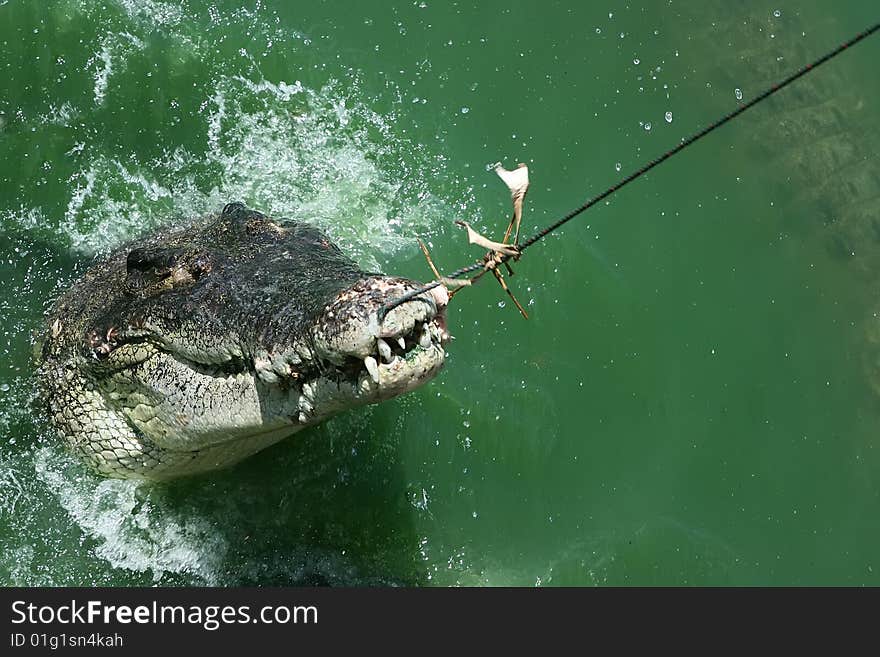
point(195, 347)
point(818, 143)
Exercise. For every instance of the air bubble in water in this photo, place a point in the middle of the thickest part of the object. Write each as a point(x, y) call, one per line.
point(777, 13)
point(648, 126)
point(637, 61)
point(465, 110)
point(617, 167)
point(668, 117)
point(4, 387)
point(738, 93)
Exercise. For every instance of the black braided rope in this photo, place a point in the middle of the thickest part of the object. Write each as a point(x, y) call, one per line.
point(458, 273)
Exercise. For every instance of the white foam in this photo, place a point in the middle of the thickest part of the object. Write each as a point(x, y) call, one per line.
point(319, 155)
point(134, 530)
point(82, 191)
point(152, 11)
point(61, 115)
point(215, 121)
point(291, 152)
point(116, 46)
point(307, 154)
point(19, 563)
point(11, 488)
point(103, 68)
point(28, 218)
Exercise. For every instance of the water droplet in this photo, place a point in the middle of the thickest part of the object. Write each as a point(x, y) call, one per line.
point(465, 110)
point(617, 167)
point(668, 117)
point(648, 126)
point(777, 13)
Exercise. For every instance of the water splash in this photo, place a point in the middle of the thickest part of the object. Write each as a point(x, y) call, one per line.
point(319, 153)
point(133, 529)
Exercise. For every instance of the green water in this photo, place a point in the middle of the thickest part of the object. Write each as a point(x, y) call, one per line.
point(695, 397)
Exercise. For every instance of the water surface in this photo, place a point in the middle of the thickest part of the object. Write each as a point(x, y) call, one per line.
point(695, 397)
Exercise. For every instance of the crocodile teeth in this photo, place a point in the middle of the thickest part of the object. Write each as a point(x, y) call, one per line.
point(401, 342)
point(425, 339)
point(384, 350)
point(372, 368)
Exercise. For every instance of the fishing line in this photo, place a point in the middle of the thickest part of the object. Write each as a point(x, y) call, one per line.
point(500, 258)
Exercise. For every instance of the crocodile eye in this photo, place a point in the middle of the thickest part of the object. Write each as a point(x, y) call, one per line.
point(138, 260)
point(152, 259)
point(231, 208)
point(154, 269)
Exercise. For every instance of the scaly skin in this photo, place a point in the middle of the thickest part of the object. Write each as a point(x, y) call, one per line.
point(818, 138)
point(196, 347)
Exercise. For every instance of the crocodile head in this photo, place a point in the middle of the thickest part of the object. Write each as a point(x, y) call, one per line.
point(196, 347)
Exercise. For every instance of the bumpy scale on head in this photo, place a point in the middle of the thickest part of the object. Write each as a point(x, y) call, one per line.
point(197, 346)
